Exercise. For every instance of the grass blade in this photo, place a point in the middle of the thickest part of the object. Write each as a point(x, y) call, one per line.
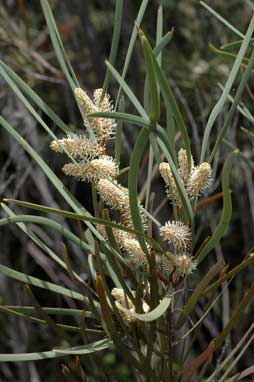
point(226, 212)
point(24, 278)
point(114, 43)
point(219, 105)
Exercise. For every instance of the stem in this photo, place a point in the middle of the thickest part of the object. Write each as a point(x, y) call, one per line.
point(170, 352)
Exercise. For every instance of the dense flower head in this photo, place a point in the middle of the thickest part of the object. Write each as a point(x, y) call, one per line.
point(102, 127)
point(117, 197)
point(184, 170)
point(169, 180)
point(199, 179)
point(177, 266)
point(176, 233)
point(113, 194)
point(78, 147)
point(195, 179)
point(93, 171)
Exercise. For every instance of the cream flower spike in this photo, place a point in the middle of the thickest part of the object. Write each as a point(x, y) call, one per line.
point(183, 165)
point(171, 188)
point(78, 146)
point(199, 180)
point(105, 126)
point(104, 166)
point(117, 197)
point(176, 233)
point(85, 101)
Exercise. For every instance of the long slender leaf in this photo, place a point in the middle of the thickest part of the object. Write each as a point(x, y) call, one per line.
point(134, 34)
point(29, 92)
point(243, 83)
point(82, 217)
point(155, 313)
point(136, 156)
point(153, 90)
point(127, 90)
point(58, 46)
point(188, 308)
point(226, 212)
point(219, 105)
point(219, 17)
point(114, 43)
point(83, 349)
point(41, 283)
point(236, 316)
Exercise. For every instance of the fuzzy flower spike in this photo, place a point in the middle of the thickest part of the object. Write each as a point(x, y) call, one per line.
point(199, 180)
point(176, 233)
point(171, 187)
point(103, 167)
point(102, 127)
point(117, 197)
point(78, 147)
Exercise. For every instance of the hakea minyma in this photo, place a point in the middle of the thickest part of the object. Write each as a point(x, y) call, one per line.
point(184, 170)
point(171, 187)
point(195, 179)
point(104, 166)
point(117, 197)
point(131, 246)
point(176, 233)
point(177, 266)
point(78, 147)
point(199, 179)
point(103, 127)
point(124, 301)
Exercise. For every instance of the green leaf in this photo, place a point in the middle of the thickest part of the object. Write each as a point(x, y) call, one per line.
point(229, 274)
point(58, 45)
point(165, 40)
point(48, 223)
point(155, 313)
point(41, 283)
point(83, 349)
point(234, 44)
point(171, 104)
point(82, 217)
point(134, 34)
point(191, 303)
point(224, 21)
point(226, 212)
point(230, 81)
point(136, 157)
point(49, 310)
point(69, 198)
point(119, 116)
point(234, 319)
point(127, 91)
point(154, 115)
point(114, 43)
point(237, 98)
point(39, 242)
point(30, 93)
point(86, 349)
